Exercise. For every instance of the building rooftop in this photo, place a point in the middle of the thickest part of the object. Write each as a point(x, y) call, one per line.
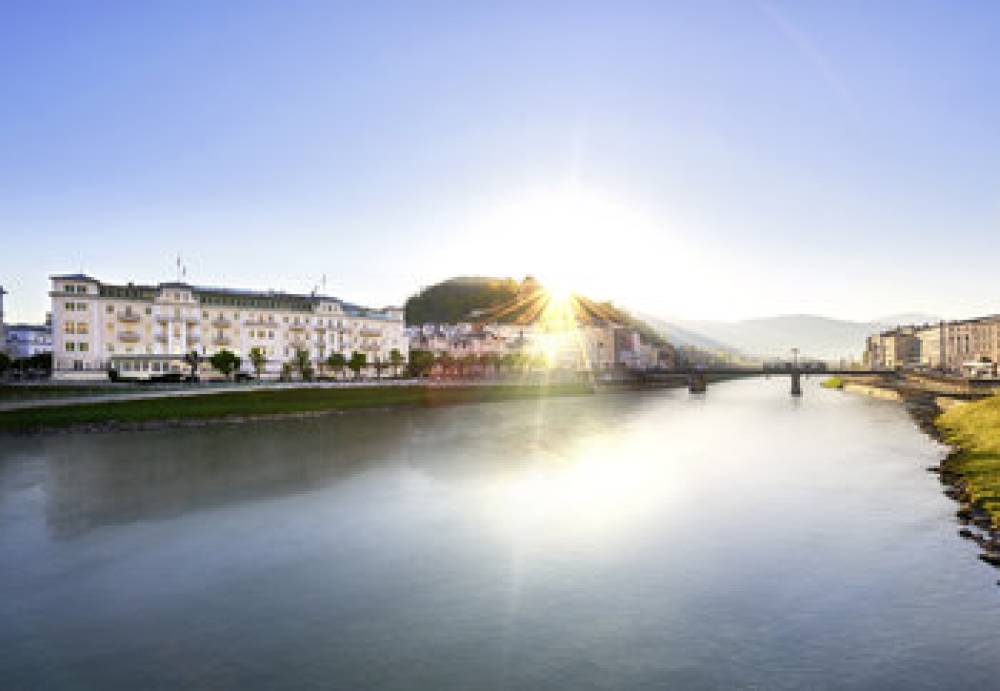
point(310, 299)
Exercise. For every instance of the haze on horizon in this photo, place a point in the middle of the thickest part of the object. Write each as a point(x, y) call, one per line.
point(705, 160)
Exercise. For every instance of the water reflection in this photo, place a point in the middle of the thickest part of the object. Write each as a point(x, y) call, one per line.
point(741, 538)
point(106, 479)
point(94, 480)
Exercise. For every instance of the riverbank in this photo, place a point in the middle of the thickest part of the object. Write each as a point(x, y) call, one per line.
point(968, 421)
point(973, 468)
point(254, 404)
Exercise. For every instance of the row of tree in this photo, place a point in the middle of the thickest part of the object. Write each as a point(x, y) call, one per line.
point(226, 363)
point(423, 362)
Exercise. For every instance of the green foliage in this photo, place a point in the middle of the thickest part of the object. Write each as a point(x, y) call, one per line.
point(396, 359)
point(5, 362)
point(421, 362)
point(975, 429)
point(451, 301)
point(337, 362)
point(455, 300)
point(833, 382)
point(255, 401)
point(225, 362)
point(302, 364)
point(258, 360)
point(357, 362)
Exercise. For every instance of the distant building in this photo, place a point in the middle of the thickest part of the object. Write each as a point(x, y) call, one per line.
point(893, 348)
point(585, 347)
point(28, 340)
point(146, 330)
point(932, 345)
point(970, 347)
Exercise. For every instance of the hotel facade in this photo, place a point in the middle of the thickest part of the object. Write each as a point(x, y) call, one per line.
point(141, 331)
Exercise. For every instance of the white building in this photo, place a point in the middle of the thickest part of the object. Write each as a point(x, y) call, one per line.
point(146, 330)
point(27, 340)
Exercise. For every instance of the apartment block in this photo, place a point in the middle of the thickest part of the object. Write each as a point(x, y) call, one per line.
point(970, 347)
point(147, 330)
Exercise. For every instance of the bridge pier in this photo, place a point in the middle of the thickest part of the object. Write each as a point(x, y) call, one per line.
point(696, 383)
point(796, 383)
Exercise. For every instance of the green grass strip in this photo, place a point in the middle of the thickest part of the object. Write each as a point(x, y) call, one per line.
point(974, 428)
point(269, 402)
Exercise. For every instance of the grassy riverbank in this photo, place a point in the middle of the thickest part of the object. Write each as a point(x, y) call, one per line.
point(974, 429)
point(833, 382)
point(46, 391)
point(242, 404)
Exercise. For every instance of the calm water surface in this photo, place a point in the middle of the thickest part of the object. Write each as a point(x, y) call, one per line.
point(655, 540)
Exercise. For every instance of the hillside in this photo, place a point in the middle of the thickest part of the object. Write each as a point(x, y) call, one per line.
point(505, 300)
point(458, 299)
point(814, 336)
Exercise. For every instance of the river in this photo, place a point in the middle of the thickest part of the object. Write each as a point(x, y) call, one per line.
point(619, 541)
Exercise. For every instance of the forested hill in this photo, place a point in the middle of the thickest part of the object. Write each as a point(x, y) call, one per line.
point(457, 299)
point(506, 300)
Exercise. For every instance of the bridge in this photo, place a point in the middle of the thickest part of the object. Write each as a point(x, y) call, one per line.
point(697, 382)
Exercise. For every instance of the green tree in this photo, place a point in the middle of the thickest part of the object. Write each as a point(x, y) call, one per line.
point(379, 365)
point(303, 365)
point(258, 360)
point(5, 362)
point(225, 361)
point(357, 363)
point(192, 360)
point(337, 362)
point(421, 362)
point(397, 360)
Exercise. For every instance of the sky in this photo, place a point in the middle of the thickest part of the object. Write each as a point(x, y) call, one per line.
point(701, 160)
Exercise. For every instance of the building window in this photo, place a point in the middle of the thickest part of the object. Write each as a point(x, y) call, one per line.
point(84, 347)
point(70, 346)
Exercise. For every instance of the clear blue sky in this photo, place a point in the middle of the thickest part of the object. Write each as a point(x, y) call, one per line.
point(702, 159)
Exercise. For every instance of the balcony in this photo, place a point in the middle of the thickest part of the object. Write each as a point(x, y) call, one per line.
point(221, 323)
point(221, 340)
point(297, 327)
point(164, 318)
point(128, 336)
point(128, 317)
point(370, 333)
point(161, 338)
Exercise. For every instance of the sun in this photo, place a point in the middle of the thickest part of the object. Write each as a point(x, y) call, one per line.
point(558, 291)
